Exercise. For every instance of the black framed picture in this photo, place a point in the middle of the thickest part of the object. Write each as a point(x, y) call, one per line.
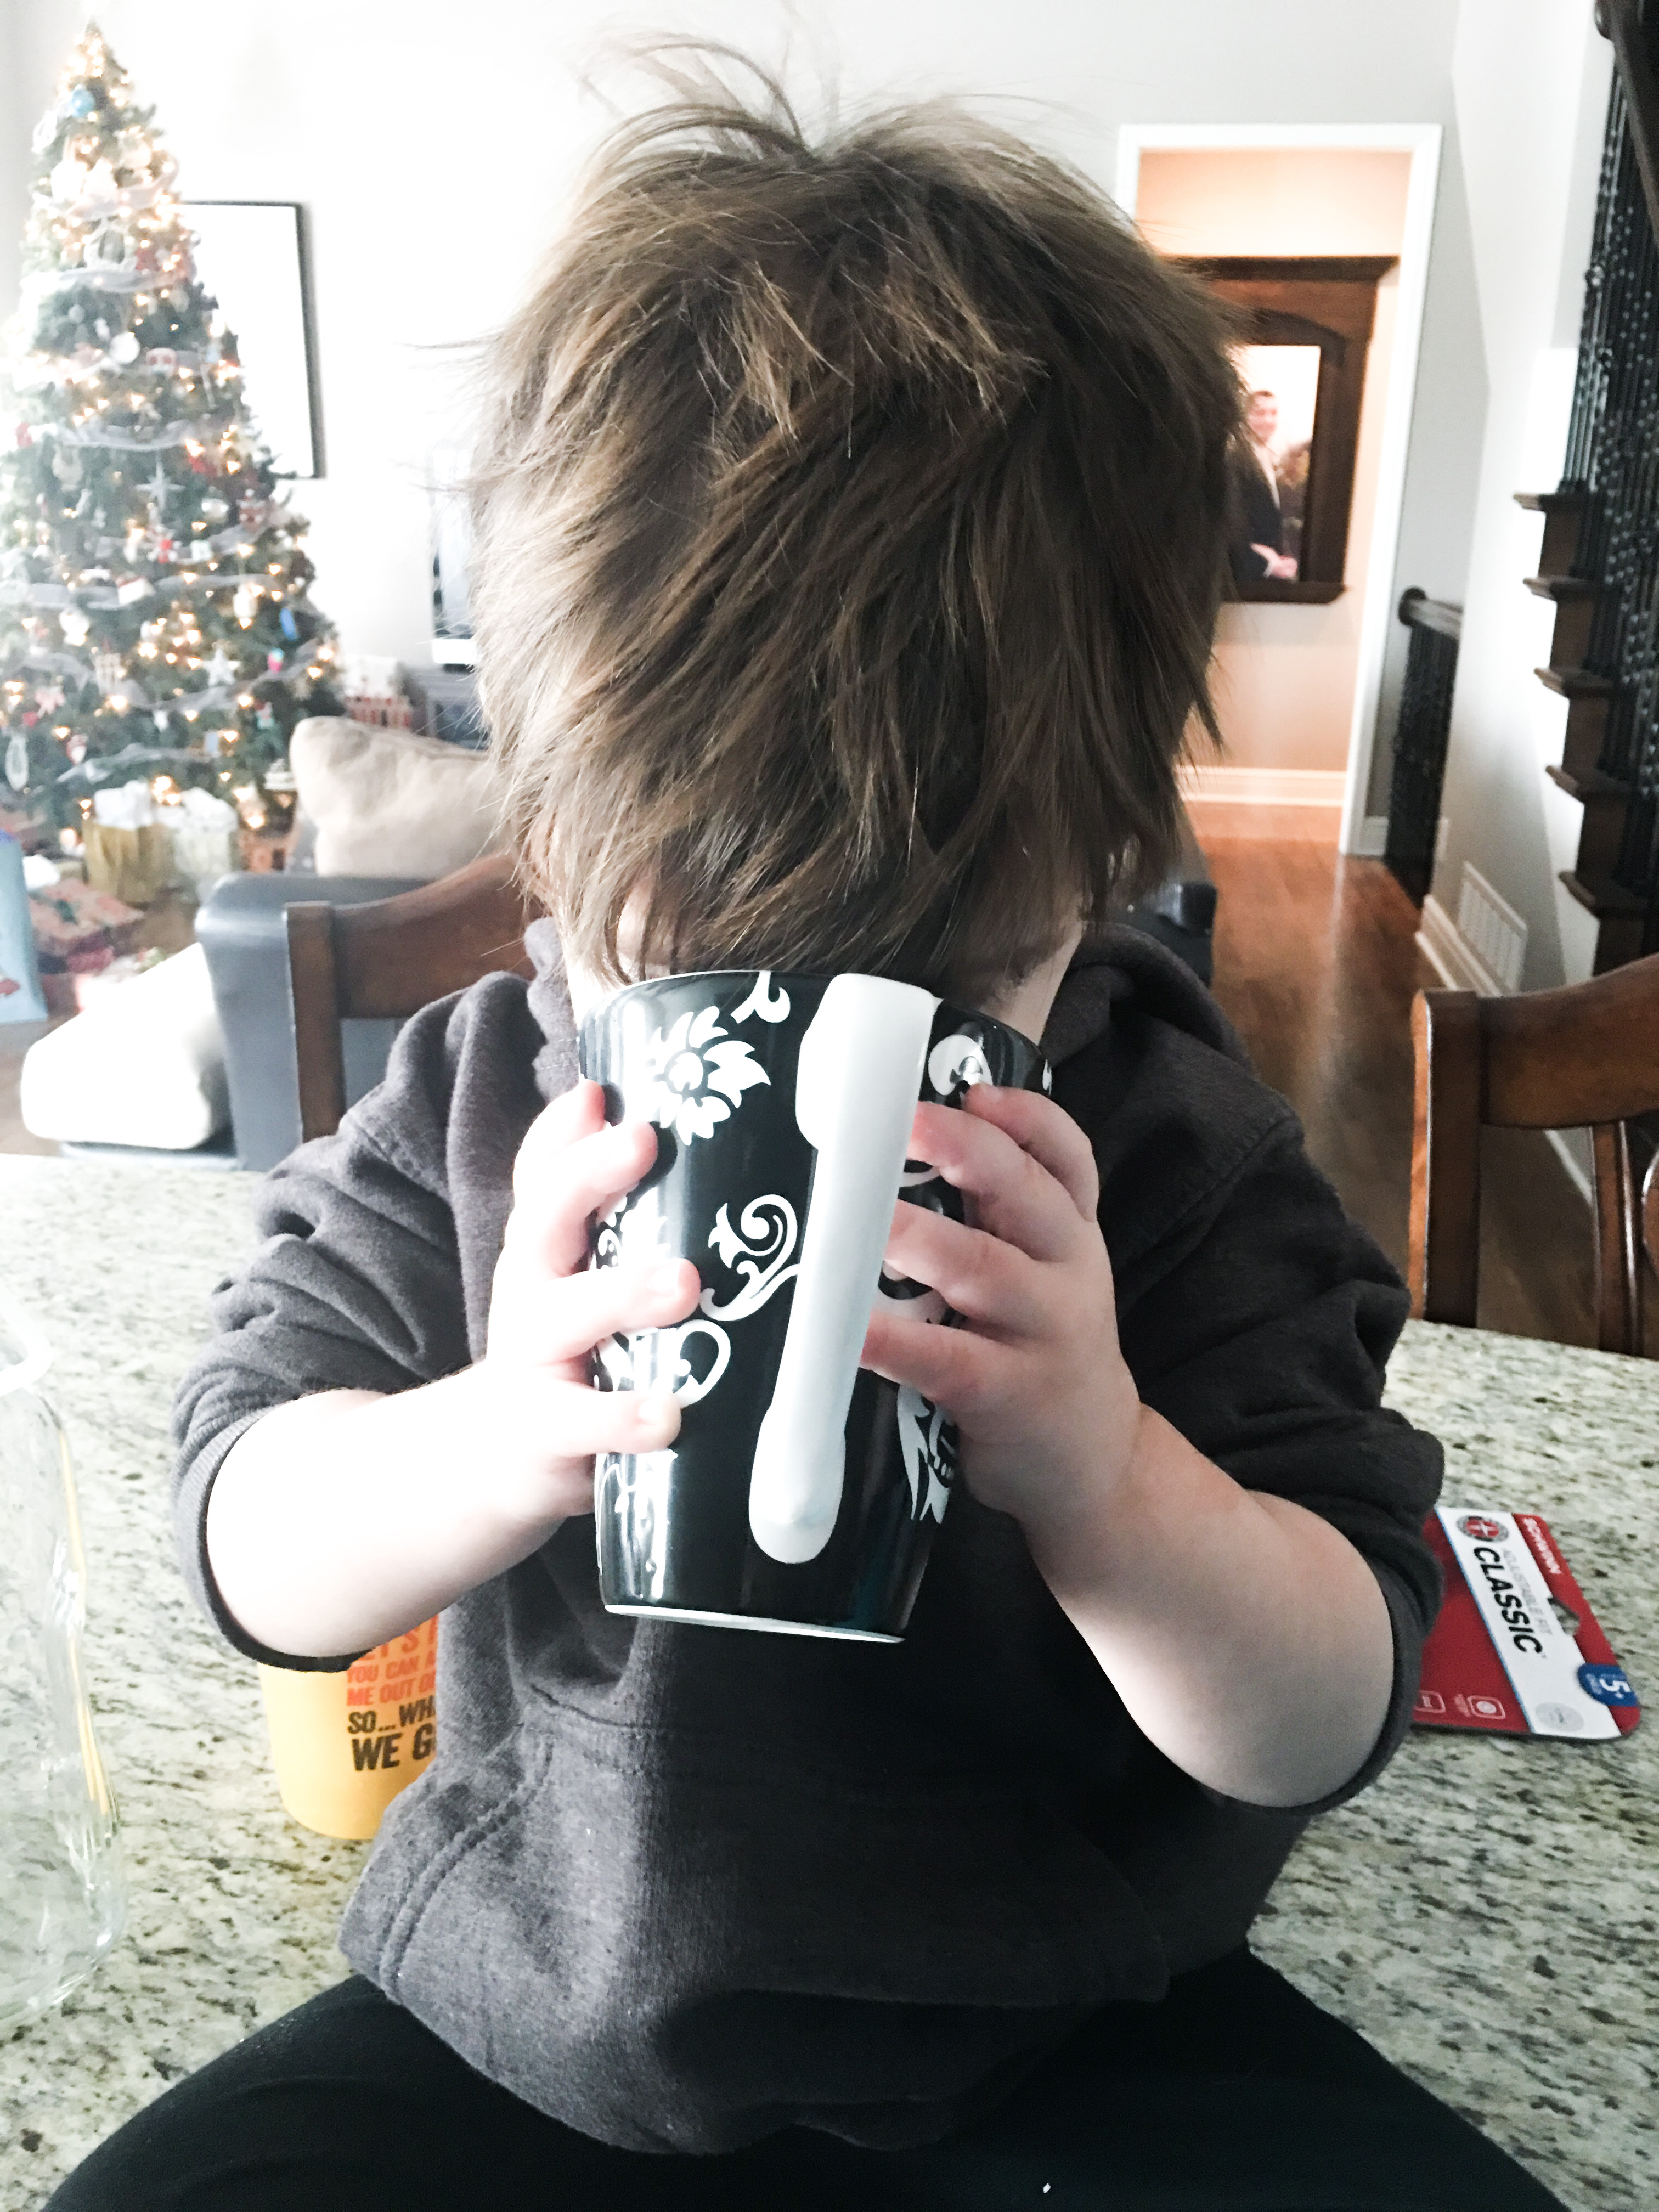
point(1304, 339)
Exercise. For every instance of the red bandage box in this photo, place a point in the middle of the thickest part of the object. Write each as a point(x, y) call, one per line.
point(1516, 1650)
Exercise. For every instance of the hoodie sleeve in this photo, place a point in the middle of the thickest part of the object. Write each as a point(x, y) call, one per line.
point(362, 1281)
point(1256, 1315)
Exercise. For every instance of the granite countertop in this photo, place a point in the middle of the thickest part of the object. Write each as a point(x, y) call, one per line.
point(1485, 1914)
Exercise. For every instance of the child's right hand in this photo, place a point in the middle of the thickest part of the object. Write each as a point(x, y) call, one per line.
point(462, 1478)
point(549, 1309)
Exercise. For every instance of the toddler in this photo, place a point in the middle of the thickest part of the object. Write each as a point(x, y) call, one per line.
point(851, 525)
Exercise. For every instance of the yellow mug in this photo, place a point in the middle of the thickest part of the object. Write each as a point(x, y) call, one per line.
point(344, 1745)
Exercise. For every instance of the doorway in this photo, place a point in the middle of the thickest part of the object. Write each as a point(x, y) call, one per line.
point(1299, 679)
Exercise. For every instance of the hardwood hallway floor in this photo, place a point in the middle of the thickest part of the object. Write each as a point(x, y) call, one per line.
point(1316, 965)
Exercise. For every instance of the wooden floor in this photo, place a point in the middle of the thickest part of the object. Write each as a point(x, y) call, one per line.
point(1316, 965)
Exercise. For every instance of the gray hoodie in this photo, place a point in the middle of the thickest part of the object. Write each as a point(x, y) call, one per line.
point(679, 1887)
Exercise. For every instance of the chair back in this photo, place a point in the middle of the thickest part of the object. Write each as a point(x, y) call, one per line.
point(1586, 1056)
point(385, 960)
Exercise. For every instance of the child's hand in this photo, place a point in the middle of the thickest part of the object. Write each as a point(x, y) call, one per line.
point(1034, 1379)
point(488, 1460)
point(548, 1309)
point(1247, 1638)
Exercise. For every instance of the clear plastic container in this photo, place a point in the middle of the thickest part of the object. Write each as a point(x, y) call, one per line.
point(62, 1893)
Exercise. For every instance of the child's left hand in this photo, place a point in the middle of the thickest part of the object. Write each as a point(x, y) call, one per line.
point(1047, 1410)
point(1247, 1638)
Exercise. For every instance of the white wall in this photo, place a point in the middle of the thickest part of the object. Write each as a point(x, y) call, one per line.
point(1531, 80)
point(15, 126)
point(1449, 413)
point(432, 147)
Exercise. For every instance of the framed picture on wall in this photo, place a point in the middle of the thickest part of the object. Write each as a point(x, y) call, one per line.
point(250, 256)
point(1304, 337)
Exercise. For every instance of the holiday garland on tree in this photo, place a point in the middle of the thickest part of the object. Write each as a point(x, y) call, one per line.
point(154, 612)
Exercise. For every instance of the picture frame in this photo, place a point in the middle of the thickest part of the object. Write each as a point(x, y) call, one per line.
point(1290, 304)
point(250, 257)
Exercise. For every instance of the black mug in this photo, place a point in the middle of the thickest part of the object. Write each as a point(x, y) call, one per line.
point(802, 1493)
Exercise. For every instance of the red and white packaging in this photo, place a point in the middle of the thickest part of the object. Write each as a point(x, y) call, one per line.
point(1516, 1650)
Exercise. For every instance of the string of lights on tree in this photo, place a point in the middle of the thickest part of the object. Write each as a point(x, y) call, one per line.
point(154, 616)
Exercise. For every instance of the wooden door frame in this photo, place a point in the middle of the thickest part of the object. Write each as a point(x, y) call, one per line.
point(1328, 301)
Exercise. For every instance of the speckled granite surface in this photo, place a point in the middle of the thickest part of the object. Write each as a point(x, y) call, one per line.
point(232, 1908)
point(1487, 1914)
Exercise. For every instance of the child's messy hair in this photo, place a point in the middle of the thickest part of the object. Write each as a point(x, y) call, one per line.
point(851, 522)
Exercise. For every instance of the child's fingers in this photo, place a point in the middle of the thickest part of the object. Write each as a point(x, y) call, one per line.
point(568, 1182)
point(963, 1373)
point(578, 1112)
point(562, 1317)
point(980, 1276)
point(1015, 1195)
point(1047, 1134)
point(576, 1422)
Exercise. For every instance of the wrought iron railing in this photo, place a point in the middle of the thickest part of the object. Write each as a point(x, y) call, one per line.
point(1420, 739)
point(1612, 460)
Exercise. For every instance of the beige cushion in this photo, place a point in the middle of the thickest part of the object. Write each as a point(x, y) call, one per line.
point(387, 803)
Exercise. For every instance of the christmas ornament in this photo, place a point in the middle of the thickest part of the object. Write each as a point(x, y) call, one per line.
point(17, 761)
point(75, 625)
point(77, 749)
point(214, 509)
point(124, 348)
point(246, 602)
point(288, 627)
point(108, 669)
point(274, 662)
point(221, 669)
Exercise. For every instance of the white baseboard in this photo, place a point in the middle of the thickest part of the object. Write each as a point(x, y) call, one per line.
point(1373, 838)
point(1263, 787)
point(1448, 951)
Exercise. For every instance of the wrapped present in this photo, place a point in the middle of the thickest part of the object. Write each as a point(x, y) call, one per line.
point(203, 834)
point(78, 931)
point(128, 852)
point(132, 864)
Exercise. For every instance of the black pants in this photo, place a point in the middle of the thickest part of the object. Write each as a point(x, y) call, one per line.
point(1233, 2096)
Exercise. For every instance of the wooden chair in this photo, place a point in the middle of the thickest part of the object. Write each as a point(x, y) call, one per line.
point(387, 959)
point(1586, 1056)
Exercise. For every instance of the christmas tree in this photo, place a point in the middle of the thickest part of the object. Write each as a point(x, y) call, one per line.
point(154, 619)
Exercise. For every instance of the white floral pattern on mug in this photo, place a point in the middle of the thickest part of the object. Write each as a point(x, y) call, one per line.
point(758, 1249)
point(698, 1076)
point(928, 1440)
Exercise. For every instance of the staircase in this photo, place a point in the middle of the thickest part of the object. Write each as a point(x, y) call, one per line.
point(1599, 562)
